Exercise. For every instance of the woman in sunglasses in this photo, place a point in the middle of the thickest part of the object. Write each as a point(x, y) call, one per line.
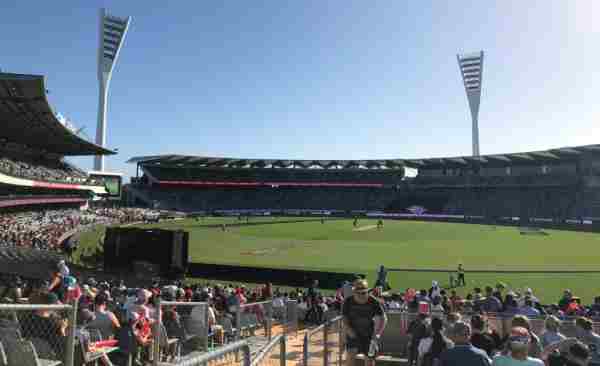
point(364, 322)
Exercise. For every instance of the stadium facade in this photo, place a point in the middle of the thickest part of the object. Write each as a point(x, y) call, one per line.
point(557, 183)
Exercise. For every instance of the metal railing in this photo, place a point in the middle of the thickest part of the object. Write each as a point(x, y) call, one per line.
point(324, 343)
point(27, 340)
point(267, 355)
point(254, 319)
point(225, 355)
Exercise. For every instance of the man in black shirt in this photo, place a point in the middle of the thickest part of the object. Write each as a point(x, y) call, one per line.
point(417, 330)
point(364, 321)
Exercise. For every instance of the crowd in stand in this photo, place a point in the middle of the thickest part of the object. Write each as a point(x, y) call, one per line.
point(497, 300)
point(125, 314)
point(45, 229)
point(444, 326)
point(24, 162)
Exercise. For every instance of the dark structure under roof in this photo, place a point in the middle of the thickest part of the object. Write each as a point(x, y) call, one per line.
point(27, 118)
point(524, 158)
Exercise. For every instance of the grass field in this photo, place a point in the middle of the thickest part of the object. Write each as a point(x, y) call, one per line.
point(338, 246)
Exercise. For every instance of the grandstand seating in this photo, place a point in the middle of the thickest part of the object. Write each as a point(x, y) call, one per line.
point(557, 184)
point(274, 175)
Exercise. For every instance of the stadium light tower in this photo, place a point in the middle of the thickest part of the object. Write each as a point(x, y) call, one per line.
point(471, 69)
point(112, 34)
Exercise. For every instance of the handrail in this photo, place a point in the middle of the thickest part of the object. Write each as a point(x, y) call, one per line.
point(266, 350)
point(205, 358)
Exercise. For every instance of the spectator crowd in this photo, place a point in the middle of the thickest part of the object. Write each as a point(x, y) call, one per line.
point(45, 229)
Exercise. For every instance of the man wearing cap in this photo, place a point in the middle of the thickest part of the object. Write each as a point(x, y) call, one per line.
point(518, 346)
point(364, 321)
point(463, 353)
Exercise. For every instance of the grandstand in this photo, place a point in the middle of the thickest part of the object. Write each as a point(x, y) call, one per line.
point(33, 147)
point(556, 183)
point(41, 193)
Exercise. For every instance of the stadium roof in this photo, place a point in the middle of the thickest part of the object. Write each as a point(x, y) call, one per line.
point(27, 118)
point(523, 158)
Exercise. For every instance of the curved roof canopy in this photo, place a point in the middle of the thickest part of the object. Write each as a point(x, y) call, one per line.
point(27, 118)
point(550, 156)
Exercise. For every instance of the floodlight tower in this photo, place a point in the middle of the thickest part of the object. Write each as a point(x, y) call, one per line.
point(112, 34)
point(471, 69)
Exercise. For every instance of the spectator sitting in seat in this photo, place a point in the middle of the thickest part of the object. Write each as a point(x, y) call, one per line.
point(528, 309)
point(491, 304)
point(518, 346)
point(585, 333)
point(535, 345)
point(104, 320)
point(552, 334)
point(482, 338)
point(48, 325)
point(463, 353)
point(131, 338)
point(510, 304)
point(564, 302)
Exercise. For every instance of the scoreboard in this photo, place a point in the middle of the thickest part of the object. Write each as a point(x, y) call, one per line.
point(112, 182)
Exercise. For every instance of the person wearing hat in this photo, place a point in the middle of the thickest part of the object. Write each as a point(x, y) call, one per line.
point(463, 353)
point(518, 346)
point(364, 321)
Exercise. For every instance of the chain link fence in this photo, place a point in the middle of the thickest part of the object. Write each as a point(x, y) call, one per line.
point(254, 319)
point(182, 330)
point(38, 334)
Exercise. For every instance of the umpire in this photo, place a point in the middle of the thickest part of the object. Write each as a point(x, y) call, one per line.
point(364, 321)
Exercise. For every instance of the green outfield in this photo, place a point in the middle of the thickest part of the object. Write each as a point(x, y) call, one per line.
point(337, 245)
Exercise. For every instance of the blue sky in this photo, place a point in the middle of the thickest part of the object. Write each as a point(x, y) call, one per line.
point(317, 79)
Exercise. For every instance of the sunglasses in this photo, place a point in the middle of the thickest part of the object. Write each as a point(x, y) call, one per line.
point(361, 292)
